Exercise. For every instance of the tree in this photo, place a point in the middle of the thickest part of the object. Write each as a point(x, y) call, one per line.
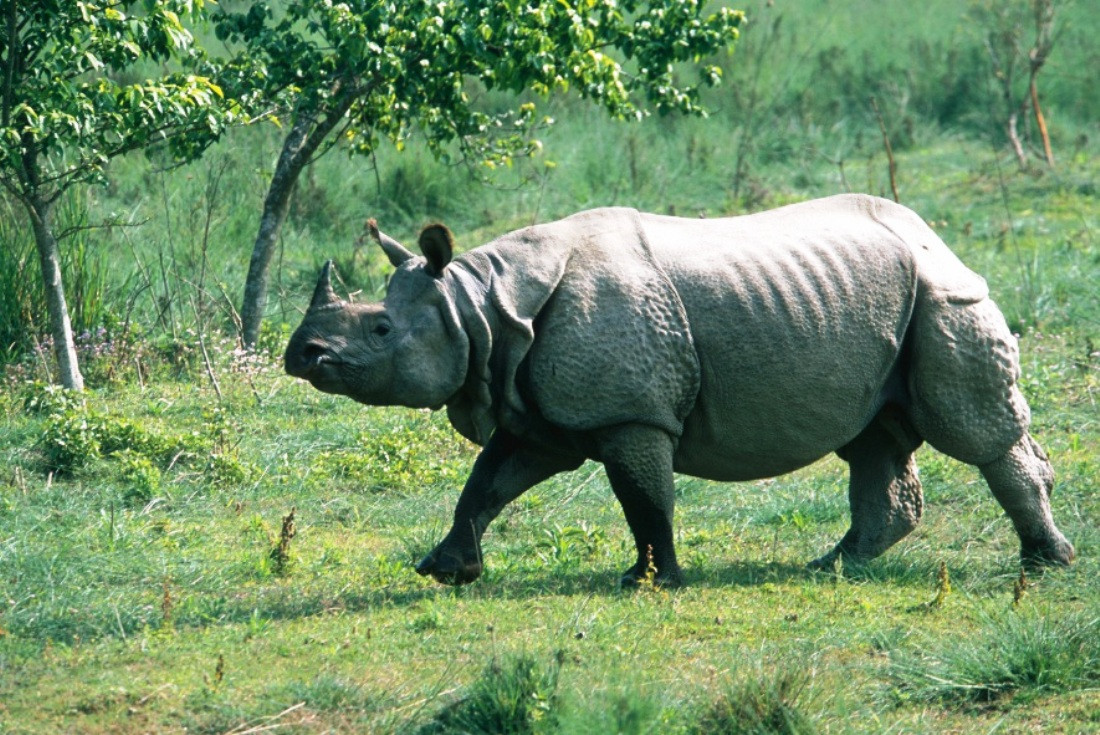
point(65, 113)
point(369, 70)
point(1003, 25)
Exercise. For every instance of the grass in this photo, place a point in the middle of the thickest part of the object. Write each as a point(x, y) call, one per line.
point(148, 582)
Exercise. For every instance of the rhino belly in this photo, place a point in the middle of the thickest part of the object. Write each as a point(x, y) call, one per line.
point(798, 350)
point(770, 432)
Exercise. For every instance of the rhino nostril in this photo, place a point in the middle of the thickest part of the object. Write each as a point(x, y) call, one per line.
point(311, 356)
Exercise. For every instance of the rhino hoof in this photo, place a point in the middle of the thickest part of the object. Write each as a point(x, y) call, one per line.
point(1056, 553)
point(448, 569)
point(828, 562)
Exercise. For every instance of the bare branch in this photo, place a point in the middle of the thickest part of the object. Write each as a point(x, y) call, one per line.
point(111, 224)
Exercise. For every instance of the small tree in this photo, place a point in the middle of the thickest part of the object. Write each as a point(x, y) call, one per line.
point(64, 114)
point(1004, 25)
point(374, 69)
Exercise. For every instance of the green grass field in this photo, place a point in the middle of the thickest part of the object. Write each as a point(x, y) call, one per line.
point(150, 582)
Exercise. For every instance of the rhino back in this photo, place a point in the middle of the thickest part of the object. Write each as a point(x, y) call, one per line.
point(798, 316)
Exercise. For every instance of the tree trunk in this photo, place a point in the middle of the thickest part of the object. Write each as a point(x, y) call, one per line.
point(41, 213)
point(276, 204)
point(305, 136)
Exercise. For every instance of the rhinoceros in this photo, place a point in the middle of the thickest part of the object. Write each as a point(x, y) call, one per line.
point(728, 349)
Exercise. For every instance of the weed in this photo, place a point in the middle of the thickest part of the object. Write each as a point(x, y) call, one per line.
point(403, 459)
point(75, 435)
point(256, 625)
point(427, 621)
point(222, 470)
point(628, 713)
point(280, 553)
point(167, 605)
point(569, 545)
point(219, 673)
point(943, 585)
point(649, 579)
point(1019, 588)
point(224, 433)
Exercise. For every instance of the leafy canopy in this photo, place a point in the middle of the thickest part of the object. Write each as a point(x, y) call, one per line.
point(72, 93)
point(418, 63)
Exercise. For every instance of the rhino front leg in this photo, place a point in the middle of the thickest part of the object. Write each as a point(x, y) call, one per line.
point(505, 469)
point(638, 461)
point(884, 492)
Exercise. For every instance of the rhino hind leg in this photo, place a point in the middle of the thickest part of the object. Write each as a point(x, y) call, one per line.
point(965, 401)
point(884, 491)
point(638, 462)
point(1021, 480)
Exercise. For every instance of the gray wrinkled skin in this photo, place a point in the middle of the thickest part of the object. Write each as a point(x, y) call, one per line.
point(729, 349)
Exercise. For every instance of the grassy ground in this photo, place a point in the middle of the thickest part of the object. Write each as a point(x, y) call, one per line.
point(144, 588)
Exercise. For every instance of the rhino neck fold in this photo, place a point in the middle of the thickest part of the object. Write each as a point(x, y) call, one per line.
point(497, 297)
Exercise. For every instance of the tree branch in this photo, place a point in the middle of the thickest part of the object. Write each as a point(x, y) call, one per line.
point(9, 70)
point(101, 226)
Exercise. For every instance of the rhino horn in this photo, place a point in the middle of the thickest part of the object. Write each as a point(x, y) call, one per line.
point(323, 295)
point(395, 251)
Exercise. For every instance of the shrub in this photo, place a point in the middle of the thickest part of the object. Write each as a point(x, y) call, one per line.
point(70, 441)
point(75, 435)
point(43, 399)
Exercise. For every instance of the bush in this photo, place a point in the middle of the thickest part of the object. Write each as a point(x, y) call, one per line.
point(75, 435)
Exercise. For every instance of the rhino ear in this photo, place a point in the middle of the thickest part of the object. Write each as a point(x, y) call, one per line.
point(438, 246)
point(323, 295)
point(395, 251)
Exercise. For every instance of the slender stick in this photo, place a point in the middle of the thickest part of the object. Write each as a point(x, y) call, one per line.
point(1041, 122)
point(889, 150)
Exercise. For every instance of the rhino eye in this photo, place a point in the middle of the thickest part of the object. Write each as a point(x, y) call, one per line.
point(382, 329)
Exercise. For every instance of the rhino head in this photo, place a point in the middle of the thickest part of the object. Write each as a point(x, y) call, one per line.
point(408, 350)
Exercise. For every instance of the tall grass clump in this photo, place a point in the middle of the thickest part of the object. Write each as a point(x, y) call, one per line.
point(515, 697)
point(23, 321)
point(1021, 653)
point(760, 705)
